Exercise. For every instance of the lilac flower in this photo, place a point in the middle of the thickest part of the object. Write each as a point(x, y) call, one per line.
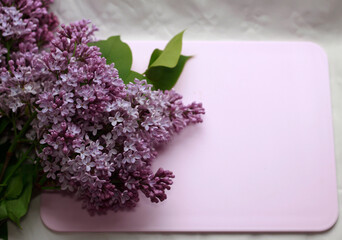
point(26, 27)
point(116, 119)
point(12, 24)
point(101, 133)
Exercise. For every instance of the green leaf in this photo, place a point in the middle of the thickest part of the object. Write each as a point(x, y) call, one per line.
point(132, 76)
point(3, 151)
point(15, 187)
point(3, 210)
point(170, 56)
point(117, 52)
point(165, 78)
point(166, 66)
point(17, 208)
point(4, 183)
point(13, 168)
point(3, 230)
point(3, 124)
point(155, 54)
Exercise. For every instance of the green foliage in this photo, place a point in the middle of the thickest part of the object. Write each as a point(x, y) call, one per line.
point(166, 66)
point(3, 124)
point(3, 210)
point(170, 56)
point(132, 76)
point(15, 187)
point(3, 150)
point(14, 204)
point(162, 77)
point(17, 208)
point(3, 230)
point(163, 70)
point(117, 52)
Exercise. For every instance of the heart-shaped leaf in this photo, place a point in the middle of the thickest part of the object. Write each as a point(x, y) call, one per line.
point(132, 76)
point(117, 52)
point(165, 78)
point(3, 210)
point(170, 56)
point(18, 207)
point(15, 187)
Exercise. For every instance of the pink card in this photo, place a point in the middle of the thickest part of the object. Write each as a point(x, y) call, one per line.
point(263, 159)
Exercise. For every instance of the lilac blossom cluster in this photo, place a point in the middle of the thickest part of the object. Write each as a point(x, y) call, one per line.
point(26, 27)
point(100, 136)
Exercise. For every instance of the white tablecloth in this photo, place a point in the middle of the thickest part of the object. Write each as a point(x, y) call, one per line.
point(319, 21)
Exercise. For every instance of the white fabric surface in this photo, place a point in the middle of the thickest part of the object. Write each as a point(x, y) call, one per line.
point(319, 21)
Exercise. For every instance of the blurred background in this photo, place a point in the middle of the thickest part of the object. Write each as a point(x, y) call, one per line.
point(318, 21)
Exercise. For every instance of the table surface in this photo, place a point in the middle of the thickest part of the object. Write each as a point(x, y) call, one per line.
point(317, 21)
point(262, 160)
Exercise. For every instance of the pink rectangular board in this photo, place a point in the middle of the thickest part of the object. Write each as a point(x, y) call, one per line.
point(263, 160)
